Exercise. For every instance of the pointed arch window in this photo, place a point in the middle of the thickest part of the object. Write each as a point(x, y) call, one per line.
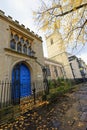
point(16, 37)
point(19, 47)
point(13, 44)
point(29, 51)
point(22, 40)
point(27, 43)
point(25, 49)
point(21, 44)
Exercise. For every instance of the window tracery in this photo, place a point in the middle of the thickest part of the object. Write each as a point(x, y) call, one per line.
point(13, 44)
point(20, 44)
point(16, 37)
point(19, 47)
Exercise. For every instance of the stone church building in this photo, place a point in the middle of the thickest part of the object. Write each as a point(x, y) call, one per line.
point(57, 52)
point(21, 59)
point(19, 50)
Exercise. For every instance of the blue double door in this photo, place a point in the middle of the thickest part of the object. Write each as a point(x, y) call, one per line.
point(21, 82)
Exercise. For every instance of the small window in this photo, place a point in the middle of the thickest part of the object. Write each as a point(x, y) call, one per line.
point(48, 71)
point(55, 70)
point(51, 40)
point(13, 44)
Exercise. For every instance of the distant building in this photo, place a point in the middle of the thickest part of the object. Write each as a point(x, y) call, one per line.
point(83, 68)
point(74, 64)
point(78, 67)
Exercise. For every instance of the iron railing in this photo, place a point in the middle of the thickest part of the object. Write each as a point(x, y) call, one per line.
point(10, 93)
point(12, 102)
point(5, 93)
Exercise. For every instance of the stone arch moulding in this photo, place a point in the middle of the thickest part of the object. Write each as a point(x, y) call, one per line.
point(21, 61)
point(21, 81)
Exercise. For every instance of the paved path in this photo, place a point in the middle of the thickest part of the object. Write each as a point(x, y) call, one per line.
point(76, 117)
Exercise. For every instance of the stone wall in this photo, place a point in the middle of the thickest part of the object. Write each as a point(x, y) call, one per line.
point(9, 57)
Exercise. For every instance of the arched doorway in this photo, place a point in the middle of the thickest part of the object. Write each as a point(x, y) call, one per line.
point(21, 82)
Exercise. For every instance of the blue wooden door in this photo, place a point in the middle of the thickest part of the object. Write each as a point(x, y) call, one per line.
point(21, 80)
point(16, 85)
point(25, 80)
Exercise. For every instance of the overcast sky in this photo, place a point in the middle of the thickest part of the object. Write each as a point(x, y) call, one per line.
point(21, 10)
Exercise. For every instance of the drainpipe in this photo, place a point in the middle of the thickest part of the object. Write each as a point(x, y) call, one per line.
point(72, 70)
point(45, 78)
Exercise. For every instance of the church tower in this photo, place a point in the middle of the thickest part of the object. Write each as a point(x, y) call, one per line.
point(57, 51)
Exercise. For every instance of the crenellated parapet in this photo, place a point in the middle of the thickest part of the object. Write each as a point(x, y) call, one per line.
point(22, 26)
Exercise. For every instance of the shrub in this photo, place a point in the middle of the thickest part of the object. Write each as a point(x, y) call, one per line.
point(57, 88)
point(44, 97)
point(52, 83)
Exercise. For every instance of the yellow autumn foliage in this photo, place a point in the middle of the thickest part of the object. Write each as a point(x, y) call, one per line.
point(54, 25)
point(76, 3)
point(58, 23)
point(74, 21)
point(65, 0)
point(55, 12)
point(53, 4)
point(45, 26)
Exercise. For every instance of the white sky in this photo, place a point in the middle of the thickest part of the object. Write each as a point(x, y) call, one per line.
point(21, 10)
